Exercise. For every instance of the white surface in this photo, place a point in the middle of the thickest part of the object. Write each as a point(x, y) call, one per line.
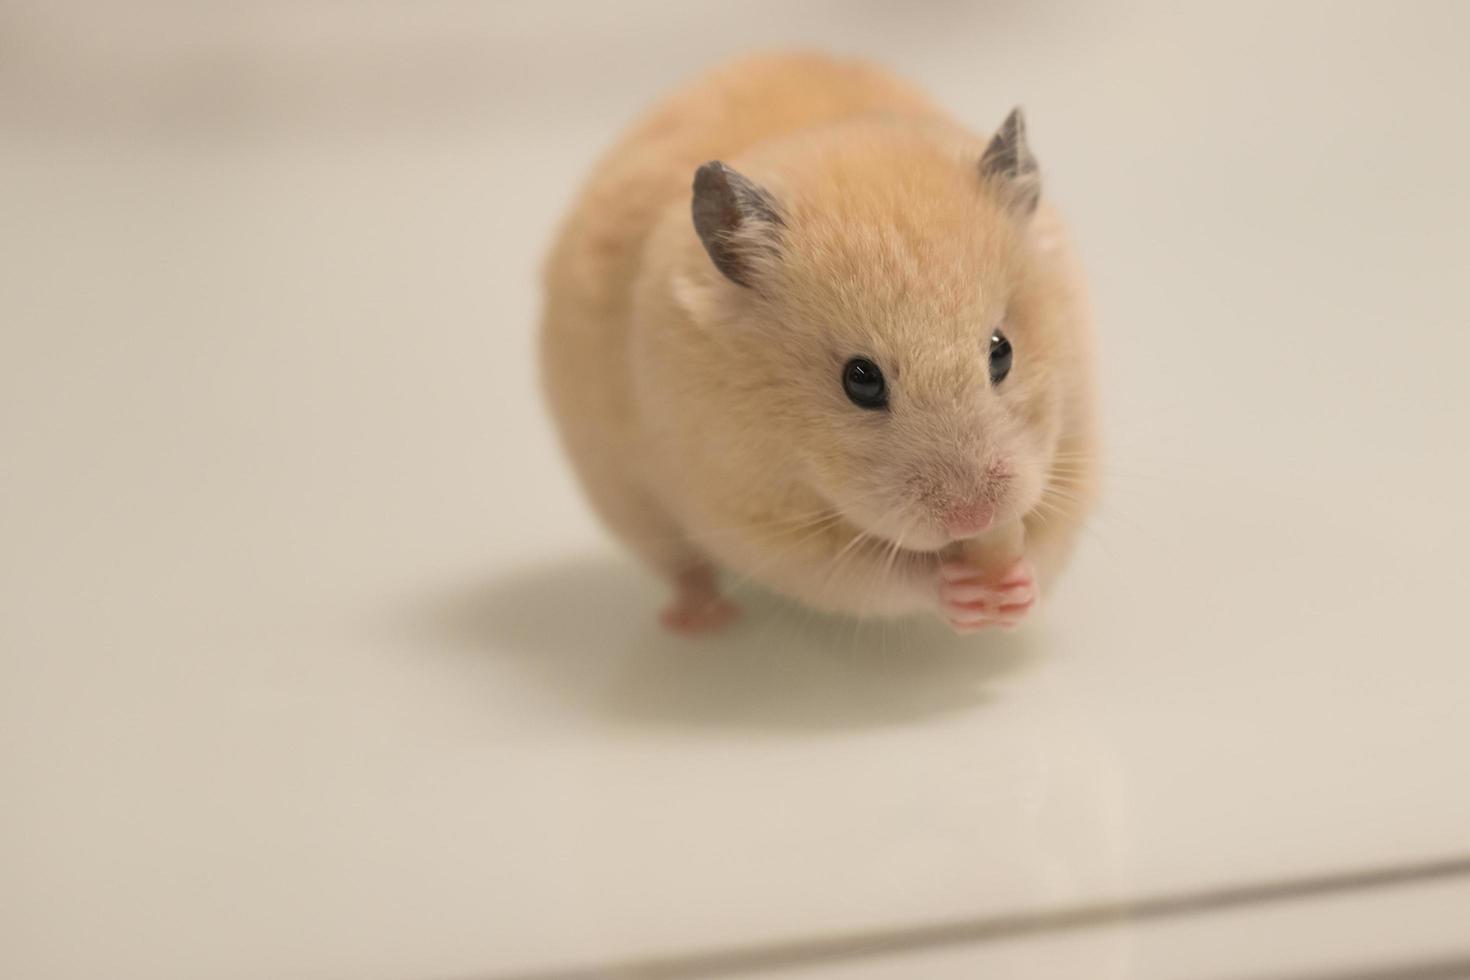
point(312, 664)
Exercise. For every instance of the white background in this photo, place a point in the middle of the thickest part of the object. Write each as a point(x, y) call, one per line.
point(313, 663)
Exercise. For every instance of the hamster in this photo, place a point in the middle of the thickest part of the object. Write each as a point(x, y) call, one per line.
point(802, 328)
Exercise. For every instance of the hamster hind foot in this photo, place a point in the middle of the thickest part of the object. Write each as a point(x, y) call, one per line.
point(697, 606)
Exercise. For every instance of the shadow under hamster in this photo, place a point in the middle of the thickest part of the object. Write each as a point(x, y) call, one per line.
point(584, 629)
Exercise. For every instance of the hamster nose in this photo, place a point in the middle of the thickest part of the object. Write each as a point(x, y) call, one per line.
point(967, 520)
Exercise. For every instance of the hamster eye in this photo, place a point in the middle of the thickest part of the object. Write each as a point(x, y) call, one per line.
point(1000, 357)
point(864, 384)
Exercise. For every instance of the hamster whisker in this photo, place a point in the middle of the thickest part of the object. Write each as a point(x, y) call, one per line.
point(795, 522)
point(1087, 464)
point(1067, 504)
point(1052, 494)
point(1049, 500)
point(1053, 490)
point(791, 549)
point(834, 564)
point(1060, 484)
point(1052, 508)
point(897, 547)
point(774, 530)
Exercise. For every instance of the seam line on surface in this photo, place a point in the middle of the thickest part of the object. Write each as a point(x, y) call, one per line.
point(834, 947)
point(1452, 969)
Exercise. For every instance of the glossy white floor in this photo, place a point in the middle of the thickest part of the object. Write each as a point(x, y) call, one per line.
point(312, 663)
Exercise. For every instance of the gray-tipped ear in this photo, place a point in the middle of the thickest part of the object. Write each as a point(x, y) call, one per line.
point(733, 216)
point(1010, 168)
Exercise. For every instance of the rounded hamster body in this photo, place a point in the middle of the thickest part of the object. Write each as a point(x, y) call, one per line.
point(801, 326)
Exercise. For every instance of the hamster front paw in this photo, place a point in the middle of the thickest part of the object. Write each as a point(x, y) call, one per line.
point(971, 598)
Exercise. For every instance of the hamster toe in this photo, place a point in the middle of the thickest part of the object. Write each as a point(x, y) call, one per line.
point(985, 593)
point(973, 599)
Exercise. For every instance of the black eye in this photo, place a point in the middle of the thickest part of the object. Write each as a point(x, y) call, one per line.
point(864, 384)
point(1000, 357)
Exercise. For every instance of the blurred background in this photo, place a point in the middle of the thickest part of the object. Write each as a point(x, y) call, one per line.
point(313, 663)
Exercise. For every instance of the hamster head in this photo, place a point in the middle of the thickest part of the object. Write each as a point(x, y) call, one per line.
point(877, 295)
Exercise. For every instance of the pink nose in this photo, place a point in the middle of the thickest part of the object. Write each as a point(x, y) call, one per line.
point(970, 519)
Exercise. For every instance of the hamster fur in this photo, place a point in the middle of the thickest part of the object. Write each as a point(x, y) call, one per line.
point(694, 344)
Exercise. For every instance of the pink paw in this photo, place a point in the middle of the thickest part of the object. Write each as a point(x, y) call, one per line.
point(971, 599)
point(694, 617)
point(698, 606)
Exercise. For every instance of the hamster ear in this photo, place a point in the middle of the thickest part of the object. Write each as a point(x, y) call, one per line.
point(1009, 167)
point(735, 219)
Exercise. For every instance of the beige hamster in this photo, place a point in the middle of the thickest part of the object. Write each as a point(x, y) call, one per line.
point(802, 327)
